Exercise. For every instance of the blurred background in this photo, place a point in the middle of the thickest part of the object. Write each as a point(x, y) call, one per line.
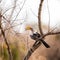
point(17, 14)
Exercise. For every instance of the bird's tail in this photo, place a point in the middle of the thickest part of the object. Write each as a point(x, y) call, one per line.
point(45, 44)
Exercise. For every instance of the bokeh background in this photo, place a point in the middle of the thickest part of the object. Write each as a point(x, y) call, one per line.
point(21, 13)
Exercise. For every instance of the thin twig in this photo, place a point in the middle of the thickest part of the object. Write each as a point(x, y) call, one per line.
point(7, 10)
point(15, 1)
point(19, 12)
point(5, 19)
point(13, 26)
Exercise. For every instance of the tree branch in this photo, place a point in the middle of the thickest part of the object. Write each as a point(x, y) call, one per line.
point(32, 49)
point(39, 17)
point(3, 33)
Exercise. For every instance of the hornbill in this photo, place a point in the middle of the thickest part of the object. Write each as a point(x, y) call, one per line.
point(36, 35)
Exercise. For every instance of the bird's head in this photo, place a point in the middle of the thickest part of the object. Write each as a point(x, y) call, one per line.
point(29, 28)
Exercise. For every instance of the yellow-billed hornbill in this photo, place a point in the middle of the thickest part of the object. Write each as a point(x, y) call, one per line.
point(36, 35)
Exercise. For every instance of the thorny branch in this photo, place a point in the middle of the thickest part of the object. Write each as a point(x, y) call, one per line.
point(35, 46)
point(3, 33)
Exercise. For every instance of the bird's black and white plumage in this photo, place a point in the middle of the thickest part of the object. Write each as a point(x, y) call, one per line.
point(36, 35)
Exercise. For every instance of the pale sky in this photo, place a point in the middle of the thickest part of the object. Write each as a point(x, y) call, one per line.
point(32, 6)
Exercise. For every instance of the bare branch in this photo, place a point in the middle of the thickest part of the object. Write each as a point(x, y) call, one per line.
point(7, 10)
point(30, 52)
point(19, 12)
point(6, 19)
point(3, 33)
point(39, 17)
point(12, 27)
point(15, 1)
point(50, 33)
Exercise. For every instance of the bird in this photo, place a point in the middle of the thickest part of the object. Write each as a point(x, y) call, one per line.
point(36, 35)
